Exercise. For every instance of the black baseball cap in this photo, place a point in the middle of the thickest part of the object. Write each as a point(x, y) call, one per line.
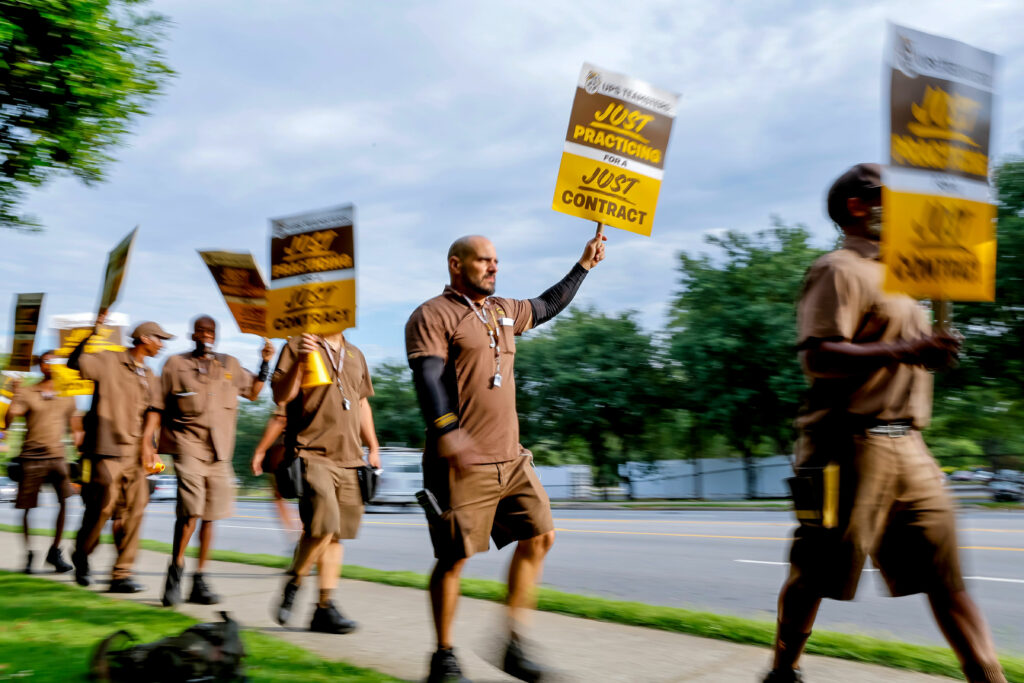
point(862, 180)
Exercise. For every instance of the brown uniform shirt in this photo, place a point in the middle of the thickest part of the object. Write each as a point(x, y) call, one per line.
point(447, 327)
point(124, 393)
point(201, 403)
point(317, 420)
point(842, 299)
point(46, 421)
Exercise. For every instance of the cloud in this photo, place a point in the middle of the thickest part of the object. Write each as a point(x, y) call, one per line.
point(445, 119)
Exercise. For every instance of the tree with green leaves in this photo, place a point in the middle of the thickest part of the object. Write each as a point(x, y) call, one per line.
point(396, 413)
point(733, 331)
point(74, 74)
point(596, 378)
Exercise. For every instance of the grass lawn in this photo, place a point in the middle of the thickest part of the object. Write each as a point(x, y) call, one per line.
point(48, 632)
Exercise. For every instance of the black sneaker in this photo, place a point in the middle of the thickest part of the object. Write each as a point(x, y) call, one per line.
point(172, 585)
point(284, 611)
point(330, 620)
point(56, 558)
point(784, 676)
point(128, 585)
point(518, 665)
point(201, 593)
point(444, 668)
point(28, 562)
point(81, 563)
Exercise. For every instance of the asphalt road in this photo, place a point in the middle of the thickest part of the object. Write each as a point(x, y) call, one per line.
point(723, 561)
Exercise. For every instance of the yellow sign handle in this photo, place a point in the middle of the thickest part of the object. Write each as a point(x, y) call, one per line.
point(600, 229)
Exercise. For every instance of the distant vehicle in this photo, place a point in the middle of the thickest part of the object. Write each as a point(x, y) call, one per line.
point(8, 490)
point(164, 487)
point(1006, 491)
point(402, 476)
point(983, 476)
point(961, 475)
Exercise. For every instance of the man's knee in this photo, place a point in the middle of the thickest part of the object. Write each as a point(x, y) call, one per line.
point(538, 546)
point(449, 567)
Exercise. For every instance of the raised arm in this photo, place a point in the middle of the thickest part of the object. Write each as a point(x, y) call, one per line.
point(556, 298)
point(266, 353)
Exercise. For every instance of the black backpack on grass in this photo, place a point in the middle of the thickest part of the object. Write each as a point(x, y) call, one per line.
point(204, 653)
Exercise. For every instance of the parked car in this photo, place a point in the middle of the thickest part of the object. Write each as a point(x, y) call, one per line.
point(1006, 491)
point(961, 475)
point(163, 487)
point(8, 490)
point(401, 478)
point(983, 476)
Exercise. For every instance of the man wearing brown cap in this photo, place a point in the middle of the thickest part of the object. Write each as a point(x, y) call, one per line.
point(461, 348)
point(200, 391)
point(118, 448)
point(326, 427)
point(865, 484)
point(48, 417)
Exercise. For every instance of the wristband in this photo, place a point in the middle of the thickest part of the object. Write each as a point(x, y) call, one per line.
point(264, 371)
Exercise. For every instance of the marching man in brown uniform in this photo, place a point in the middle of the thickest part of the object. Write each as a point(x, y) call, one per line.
point(200, 391)
point(48, 417)
point(118, 448)
point(866, 485)
point(326, 426)
point(461, 348)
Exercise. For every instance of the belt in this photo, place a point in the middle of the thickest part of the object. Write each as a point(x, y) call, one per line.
point(894, 430)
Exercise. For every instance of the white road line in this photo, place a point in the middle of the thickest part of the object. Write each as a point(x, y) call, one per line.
point(993, 578)
point(782, 564)
point(258, 528)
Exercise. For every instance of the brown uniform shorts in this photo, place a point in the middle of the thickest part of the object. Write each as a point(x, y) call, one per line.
point(893, 508)
point(331, 504)
point(35, 473)
point(503, 501)
point(206, 488)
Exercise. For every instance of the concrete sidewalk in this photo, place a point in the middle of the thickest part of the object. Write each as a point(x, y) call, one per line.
point(395, 634)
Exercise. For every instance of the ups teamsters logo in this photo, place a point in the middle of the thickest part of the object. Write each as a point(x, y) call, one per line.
point(905, 56)
point(592, 83)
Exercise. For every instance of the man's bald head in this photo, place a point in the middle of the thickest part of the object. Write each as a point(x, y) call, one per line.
point(473, 266)
point(467, 246)
point(204, 333)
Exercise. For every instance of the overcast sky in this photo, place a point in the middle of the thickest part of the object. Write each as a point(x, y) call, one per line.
point(440, 119)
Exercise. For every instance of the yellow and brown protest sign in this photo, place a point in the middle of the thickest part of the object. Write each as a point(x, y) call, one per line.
point(117, 268)
point(614, 155)
point(26, 320)
point(939, 238)
point(312, 273)
point(241, 283)
point(71, 330)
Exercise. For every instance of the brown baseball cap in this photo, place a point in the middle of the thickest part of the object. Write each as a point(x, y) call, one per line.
point(150, 329)
point(859, 181)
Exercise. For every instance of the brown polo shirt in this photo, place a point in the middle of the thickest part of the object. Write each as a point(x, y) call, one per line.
point(47, 417)
point(317, 420)
point(843, 300)
point(201, 403)
point(124, 393)
point(447, 327)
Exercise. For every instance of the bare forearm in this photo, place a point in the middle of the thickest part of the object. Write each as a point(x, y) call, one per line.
point(270, 433)
point(366, 428)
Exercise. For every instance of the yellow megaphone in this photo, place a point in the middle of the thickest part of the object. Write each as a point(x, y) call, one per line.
point(314, 371)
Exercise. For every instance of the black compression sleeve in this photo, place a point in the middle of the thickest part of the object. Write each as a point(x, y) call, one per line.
point(554, 300)
point(435, 404)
